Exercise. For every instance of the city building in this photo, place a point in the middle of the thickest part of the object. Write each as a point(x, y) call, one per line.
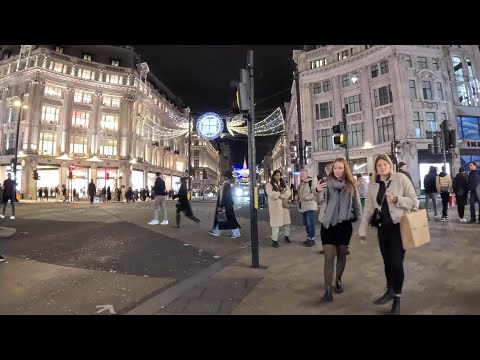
point(206, 164)
point(87, 107)
point(405, 91)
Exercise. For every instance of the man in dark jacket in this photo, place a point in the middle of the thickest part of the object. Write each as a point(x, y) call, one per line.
point(460, 188)
point(430, 185)
point(473, 186)
point(225, 204)
point(8, 194)
point(159, 201)
point(402, 168)
point(183, 203)
point(92, 190)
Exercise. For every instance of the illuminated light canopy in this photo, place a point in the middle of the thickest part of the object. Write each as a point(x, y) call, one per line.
point(271, 125)
point(150, 128)
point(209, 126)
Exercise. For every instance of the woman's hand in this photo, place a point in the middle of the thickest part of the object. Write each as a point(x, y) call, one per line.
point(389, 196)
point(321, 186)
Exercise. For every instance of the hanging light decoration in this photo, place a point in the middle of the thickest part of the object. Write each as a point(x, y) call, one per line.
point(150, 129)
point(271, 125)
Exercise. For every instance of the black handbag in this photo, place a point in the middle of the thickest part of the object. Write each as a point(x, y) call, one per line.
point(377, 216)
point(221, 216)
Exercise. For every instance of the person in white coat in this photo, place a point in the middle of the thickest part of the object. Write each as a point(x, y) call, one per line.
point(278, 195)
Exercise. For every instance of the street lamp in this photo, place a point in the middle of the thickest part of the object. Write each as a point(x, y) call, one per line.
point(18, 103)
point(354, 79)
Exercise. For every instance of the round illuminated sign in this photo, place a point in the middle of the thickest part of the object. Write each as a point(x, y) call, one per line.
point(210, 126)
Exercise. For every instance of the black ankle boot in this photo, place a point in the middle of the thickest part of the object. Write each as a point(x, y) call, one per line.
point(388, 296)
point(328, 296)
point(395, 306)
point(177, 219)
point(286, 239)
point(338, 286)
point(274, 244)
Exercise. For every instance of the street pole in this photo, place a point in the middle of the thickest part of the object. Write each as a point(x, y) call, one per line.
point(252, 167)
point(203, 185)
point(299, 119)
point(394, 145)
point(345, 134)
point(189, 154)
point(16, 149)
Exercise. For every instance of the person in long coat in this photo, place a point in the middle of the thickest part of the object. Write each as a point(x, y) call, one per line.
point(279, 194)
point(183, 203)
point(225, 203)
point(460, 188)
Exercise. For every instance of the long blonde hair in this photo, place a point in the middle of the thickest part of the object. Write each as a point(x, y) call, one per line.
point(347, 174)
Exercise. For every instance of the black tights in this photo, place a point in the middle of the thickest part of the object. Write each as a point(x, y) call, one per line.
point(340, 251)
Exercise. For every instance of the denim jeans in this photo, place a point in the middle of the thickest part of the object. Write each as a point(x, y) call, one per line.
point(309, 222)
point(235, 232)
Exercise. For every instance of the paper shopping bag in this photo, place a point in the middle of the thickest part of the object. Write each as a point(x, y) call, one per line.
point(414, 229)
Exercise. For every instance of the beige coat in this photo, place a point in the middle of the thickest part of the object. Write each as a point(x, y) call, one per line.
point(278, 214)
point(400, 186)
point(444, 181)
point(307, 196)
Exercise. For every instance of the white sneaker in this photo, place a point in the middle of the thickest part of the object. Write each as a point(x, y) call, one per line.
point(2, 216)
point(12, 217)
point(463, 220)
point(153, 222)
point(164, 222)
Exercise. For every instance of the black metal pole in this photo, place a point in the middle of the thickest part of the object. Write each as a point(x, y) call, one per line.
point(189, 154)
point(299, 119)
point(394, 146)
point(345, 134)
point(252, 167)
point(16, 149)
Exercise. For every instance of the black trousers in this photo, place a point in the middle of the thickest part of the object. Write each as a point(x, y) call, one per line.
point(461, 211)
point(393, 254)
point(91, 199)
point(445, 196)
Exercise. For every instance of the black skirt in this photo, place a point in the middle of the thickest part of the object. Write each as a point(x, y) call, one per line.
point(339, 234)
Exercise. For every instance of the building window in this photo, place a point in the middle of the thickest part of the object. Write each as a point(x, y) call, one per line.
point(435, 64)
point(383, 96)
point(6, 55)
point(323, 110)
point(47, 144)
point(384, 67)
point(431, 121)
point(317, 88)
point(385, 129)
point(59, 49)
point(408, 60)
point(86, 74)
point(413, 89)
point(78, 145)
point(196, 153)
point(111, 101)
point(324, 139)
point(82, 97)
point(11, 138)
point(427, 90)
point(196, 163)
point(87, 57)
point(458, 68)
point(440, 91)
point(468, 127)
point(463, 97)
point(344, 54)
point(114, 79)
point(422, 62)
point(58, 67)
point(50, 114)
point(108, 147)
point(418, 124)
point(356, 134)
point(345, 80)
point(354, 103)
point(368, 46)
point(109, 122)
point(374, 71)
point(52, 91)
point(327, 86)
point(115, 62)
point(80, 119)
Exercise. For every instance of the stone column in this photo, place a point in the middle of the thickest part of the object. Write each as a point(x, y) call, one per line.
point(95, 125)
point(3, 103)
point(37, 88)
point(125, 125)
point(337, 100)
point(66, 121)
point(368, 125)
point(401, 122)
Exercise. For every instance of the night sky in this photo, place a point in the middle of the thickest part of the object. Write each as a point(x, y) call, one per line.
point(203, 77)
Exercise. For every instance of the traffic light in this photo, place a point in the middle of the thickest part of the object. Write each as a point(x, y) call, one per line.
point(243, 91)
point(12, 163)
point(339, 138)
point(397, 148)
point(108, 176)
point(308, 149)
point(436, 146)
point(452, 138)
point(205, 177)
point(35, 175)
point(70, 171)
point(293, 152)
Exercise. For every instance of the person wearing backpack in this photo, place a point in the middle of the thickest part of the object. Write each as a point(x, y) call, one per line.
point(444, 187)
point(460, 189)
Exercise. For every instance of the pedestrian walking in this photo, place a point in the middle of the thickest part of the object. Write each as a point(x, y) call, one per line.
point(307, 205)
point(278, 207)
point(8, 194)
point(362, 189)
point(474, 187)
point(430, 185)
point(159, 201)
point(40, 194)
point(402, 169)
point(460, 189)
point(109, 194)
point(183, 203)
point(444, 187)
point(92, 190)
point(225, 205)
point(390, 197)
point(340, 207)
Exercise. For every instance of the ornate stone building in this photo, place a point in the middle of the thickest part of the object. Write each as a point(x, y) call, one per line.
point(407, 89)
point(86, 103)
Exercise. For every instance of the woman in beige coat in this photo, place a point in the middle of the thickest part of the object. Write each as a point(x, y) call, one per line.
point(392, 194)
point(278, 194)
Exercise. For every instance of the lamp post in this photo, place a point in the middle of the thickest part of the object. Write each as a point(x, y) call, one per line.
point(189, 154)
point(17, 102)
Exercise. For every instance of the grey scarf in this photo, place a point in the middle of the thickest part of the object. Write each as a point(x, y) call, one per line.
point(339, 203)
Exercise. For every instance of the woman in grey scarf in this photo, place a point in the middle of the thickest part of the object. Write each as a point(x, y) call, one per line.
point(340, 207)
